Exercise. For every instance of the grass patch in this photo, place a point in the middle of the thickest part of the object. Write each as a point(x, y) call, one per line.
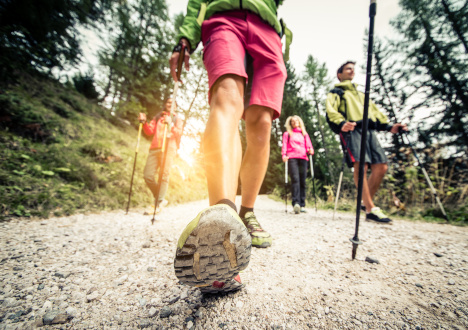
point(61, 154)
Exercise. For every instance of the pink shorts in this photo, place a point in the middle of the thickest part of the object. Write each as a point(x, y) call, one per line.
point(241, 43)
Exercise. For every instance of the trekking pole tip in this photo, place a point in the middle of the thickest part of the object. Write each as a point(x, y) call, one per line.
point(355, 242)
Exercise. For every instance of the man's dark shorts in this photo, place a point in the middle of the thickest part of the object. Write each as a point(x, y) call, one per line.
point(351, 142)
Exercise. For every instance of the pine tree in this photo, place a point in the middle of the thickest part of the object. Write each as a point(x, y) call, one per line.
point(40, 35)
point(434, 46)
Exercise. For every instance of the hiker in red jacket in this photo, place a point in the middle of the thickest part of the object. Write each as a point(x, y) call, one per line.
point(155, 128)
point(296, 148)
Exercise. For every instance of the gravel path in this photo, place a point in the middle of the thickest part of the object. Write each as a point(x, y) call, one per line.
point(115, 271)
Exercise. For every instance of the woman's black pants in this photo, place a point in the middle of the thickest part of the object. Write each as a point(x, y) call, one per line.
point(298, 172)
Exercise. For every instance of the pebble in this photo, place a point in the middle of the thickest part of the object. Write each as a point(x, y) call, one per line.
point(372, 260)
point(165, 312)
point(152, 312)
point(451, 282)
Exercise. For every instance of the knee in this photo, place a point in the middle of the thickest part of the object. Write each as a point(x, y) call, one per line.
point(226, 95)
point(380, 170)
point(258, 121)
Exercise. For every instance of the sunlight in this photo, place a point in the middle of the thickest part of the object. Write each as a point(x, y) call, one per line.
point(186, 150)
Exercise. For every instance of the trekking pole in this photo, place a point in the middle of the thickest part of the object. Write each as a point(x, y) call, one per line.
point(134, 164)
point(313, 180)
point(165, 142)
point(339, 186)
point(286, 186)
point(362, 160)
point(429, 182)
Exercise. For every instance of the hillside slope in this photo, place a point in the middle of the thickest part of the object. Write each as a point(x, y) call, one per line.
point(60, 153)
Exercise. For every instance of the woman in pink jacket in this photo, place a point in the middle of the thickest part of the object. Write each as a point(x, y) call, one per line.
point(296, 148)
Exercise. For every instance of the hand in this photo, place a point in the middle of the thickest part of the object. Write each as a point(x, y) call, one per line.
point(311, 152)
point(142, 117)
point(168, 119)
point(348, 127)
point(174, 60)
point(397, 128)
point(285, 158)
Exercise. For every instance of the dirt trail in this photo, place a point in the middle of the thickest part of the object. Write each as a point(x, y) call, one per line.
point(113, 270)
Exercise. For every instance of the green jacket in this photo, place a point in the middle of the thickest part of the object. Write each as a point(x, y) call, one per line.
point(199, 10)
point(350, 107)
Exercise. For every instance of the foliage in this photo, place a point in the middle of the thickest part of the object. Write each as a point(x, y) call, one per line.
point(136, 59)
point(42, 34)
point(72, 163)
point(434, 50)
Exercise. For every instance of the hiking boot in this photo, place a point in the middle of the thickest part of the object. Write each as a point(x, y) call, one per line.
point(149, 210)
point(212, 250)
point(297, 208)
point(377, 215)
point(303, 210)
point(162, 204)
point(260, 238)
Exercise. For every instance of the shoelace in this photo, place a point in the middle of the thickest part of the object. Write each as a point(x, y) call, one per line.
point(252, 222)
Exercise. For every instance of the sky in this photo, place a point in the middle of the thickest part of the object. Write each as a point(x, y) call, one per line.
point(331, 31)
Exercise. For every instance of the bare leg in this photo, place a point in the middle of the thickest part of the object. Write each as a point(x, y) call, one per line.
point(258, 129)
point(221, 141)
point(375, 178)
point(366, 196)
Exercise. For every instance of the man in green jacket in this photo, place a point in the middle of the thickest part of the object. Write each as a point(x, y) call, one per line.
point(345, 109)
point(242, 53)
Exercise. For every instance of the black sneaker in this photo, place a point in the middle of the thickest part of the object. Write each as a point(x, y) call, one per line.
point(377, 215)
point(363, 208)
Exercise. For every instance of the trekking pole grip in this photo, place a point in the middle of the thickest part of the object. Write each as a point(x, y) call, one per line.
point(181, 61)
point(373, 8)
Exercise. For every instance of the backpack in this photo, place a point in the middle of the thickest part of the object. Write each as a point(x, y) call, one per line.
point(334, 127)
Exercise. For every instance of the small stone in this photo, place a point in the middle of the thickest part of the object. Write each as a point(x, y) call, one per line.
point(142, 302)
point(199, 314)
point(451, 282)
point(189, 325)
point(54, 317)
point(150, 269)
point(71, 312)
point(146, 245)
point(372, 260)
point(62, 274)
point(438, 255)
point(47, 305)
point(173, 300)
point(16, 268)
point(41, 286)
point(10, 302)
point(152, 312)
point(419, 285)
point(327, 310)
point(92, 297)
point(239, 304)
point(60, 319)
point(144, 323)
point(165, 312)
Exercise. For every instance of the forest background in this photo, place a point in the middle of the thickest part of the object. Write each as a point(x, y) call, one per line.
point(68, 137)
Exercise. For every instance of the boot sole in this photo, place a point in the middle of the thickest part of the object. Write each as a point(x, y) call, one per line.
point(217, 248)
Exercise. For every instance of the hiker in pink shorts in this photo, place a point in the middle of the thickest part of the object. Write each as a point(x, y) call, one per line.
point(242, 54)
